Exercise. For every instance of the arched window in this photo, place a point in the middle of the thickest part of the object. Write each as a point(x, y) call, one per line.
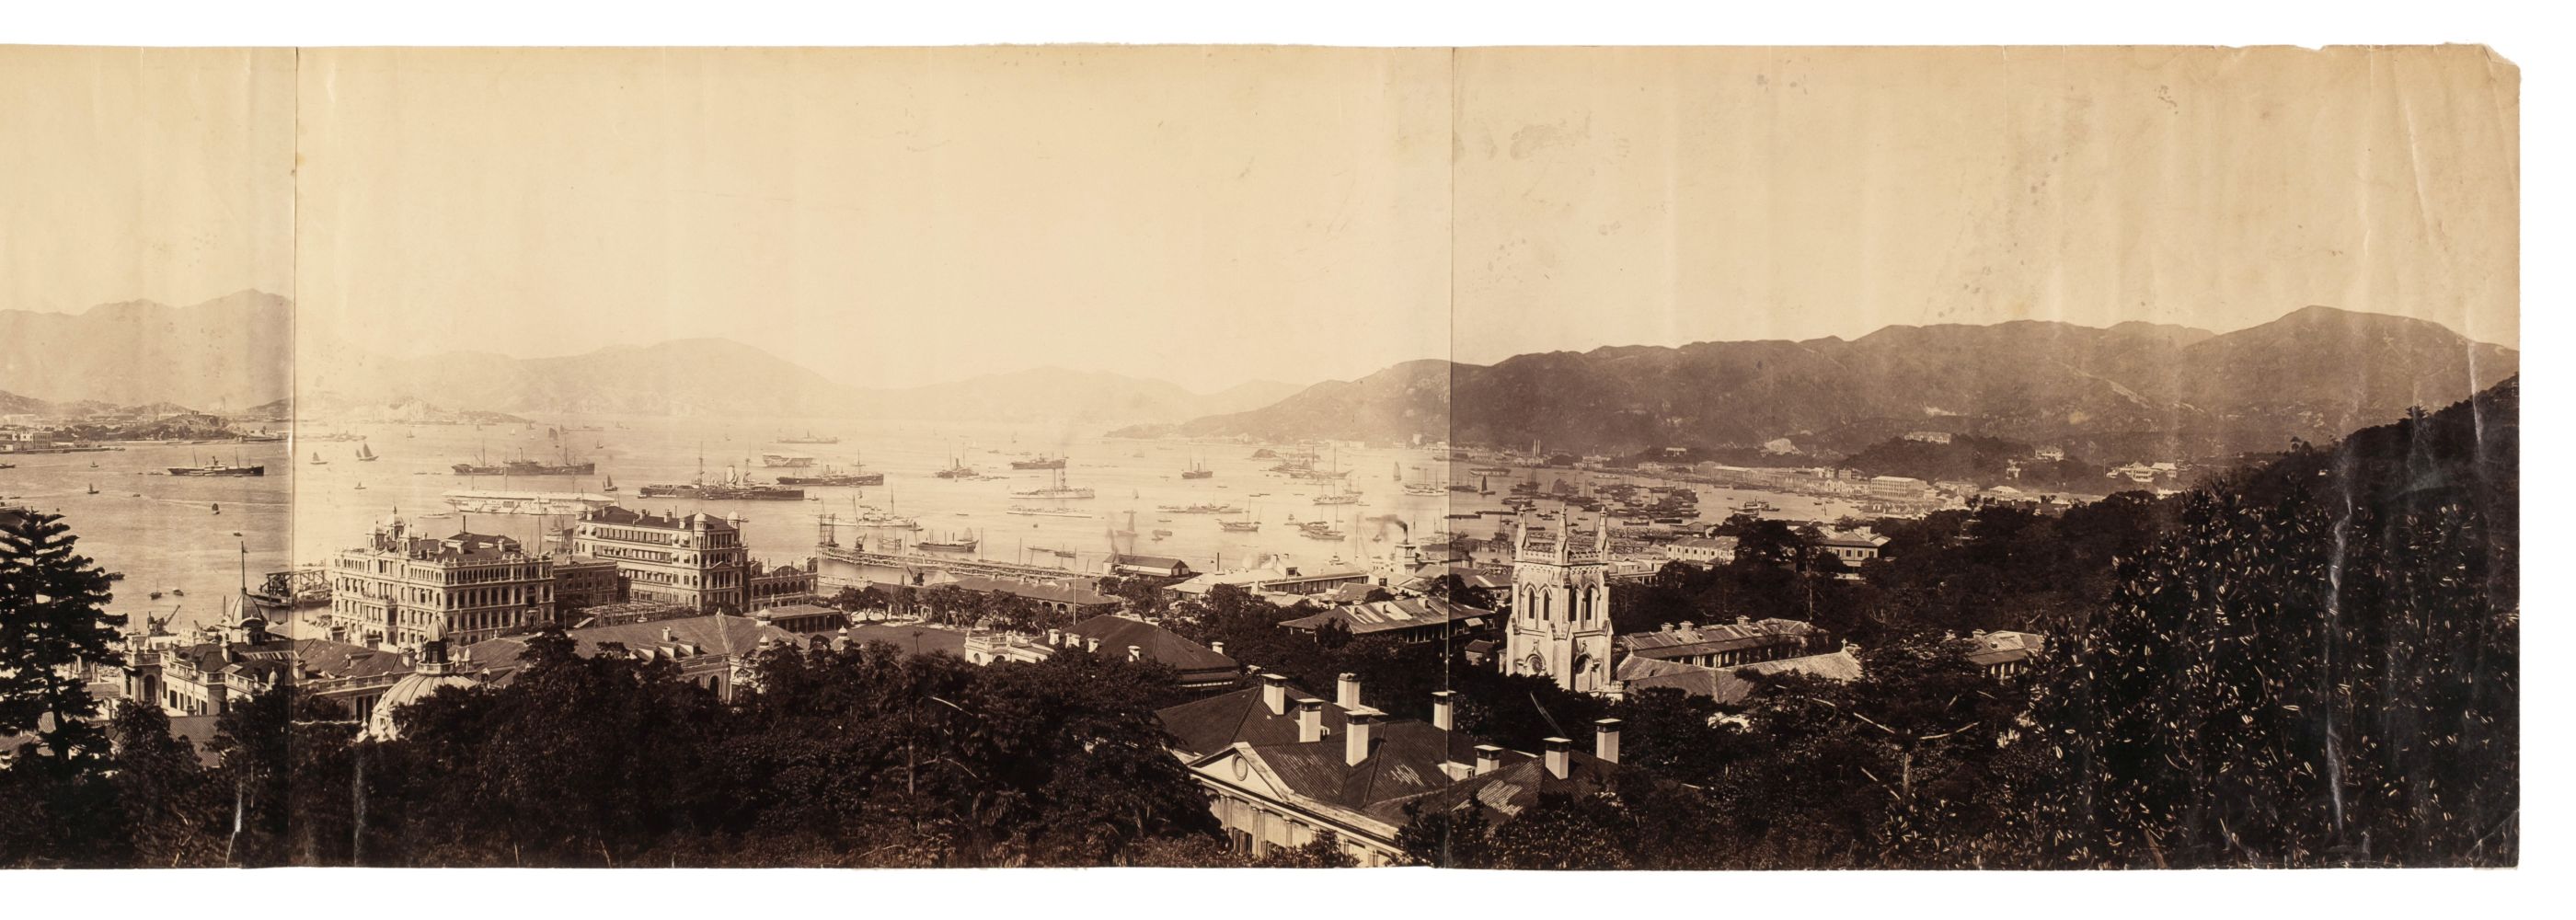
point(1535, 664)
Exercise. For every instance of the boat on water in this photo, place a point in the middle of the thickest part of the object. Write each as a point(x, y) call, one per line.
point(1039, 463)
point(1490, 470)
point(1056, 491)
point(1198, 470)
point(1246, 526)
point(318, 461)
point(365, 455)
point(1201, 508)
point(608, 483)
point(810, 438)
point(485, 501)
point(1345, 496)
point(93, 488)
point(1041, 511)
point(961, 543)
point(263, 436)
point(957, 469)
point(786, 460)
point(833, 477)
point(872, 516)
point(218, 467)
point(1319, 530)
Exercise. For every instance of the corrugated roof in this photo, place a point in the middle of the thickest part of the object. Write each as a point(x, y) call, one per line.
point(1702, 639)
point(1724, 684)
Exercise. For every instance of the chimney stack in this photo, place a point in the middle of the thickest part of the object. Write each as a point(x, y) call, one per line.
point(1310, 720)
point(1092, 645)
point(1487, 758)
point(1054, 637)
point(1346, 693)
point(1274, 694)
point(1135, 653)
point(1560, 756)
point(1217, 646)
point(1605, 740)
point(1355, 741)
point(1443, 710)
point(1072, 639)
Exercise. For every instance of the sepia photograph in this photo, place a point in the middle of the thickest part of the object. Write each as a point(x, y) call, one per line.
point(1260, 456)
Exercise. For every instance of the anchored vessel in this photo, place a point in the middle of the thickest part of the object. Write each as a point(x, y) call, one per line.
point(833, 477)
point(482, 501)
point(809, 438)
point(787, 460)
point(1040, 463)
point(219, 468)
point(1058, 490)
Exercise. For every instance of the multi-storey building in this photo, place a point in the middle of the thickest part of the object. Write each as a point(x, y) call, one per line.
point(695, 560)
point(405, 589)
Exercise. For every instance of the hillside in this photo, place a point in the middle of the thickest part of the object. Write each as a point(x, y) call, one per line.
point(225, 354)
point(2132, 390)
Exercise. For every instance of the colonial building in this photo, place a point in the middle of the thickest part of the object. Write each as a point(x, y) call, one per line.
point(1560, 609)
point(713, 652)
point(1284, 768)
point(1722, 645)
point(782, 586)
point(1854, 546)
point(1404, 619)
point(404, 589)
point(1701, 550)
point(582, 582)
point(696, 560)
point(1117, 636)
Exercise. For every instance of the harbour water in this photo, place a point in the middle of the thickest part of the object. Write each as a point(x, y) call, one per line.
point(163, 533)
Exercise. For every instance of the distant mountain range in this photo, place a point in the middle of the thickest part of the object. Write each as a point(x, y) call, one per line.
point(236, 354)
point(2129, 389)
point(224, 355)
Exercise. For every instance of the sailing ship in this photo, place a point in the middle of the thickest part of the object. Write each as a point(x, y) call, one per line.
point(93, 488)
point(1423, 486)
point(365, 455)
point(1319, 530)
point(1198, 470)
point(218, 467)
point(810, 438)
point(957, 469)
point(608, 483)
point(784, 459)
point(1058, 490)
point(1041, 462)
point(317, 459)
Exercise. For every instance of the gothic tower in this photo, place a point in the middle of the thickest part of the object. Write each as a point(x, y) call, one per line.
point(1560, 625)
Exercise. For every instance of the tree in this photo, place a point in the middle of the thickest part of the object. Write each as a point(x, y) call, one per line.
point(53, 618)
point(168, 803)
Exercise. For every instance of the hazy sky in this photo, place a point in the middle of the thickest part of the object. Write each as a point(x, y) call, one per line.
point(1657, 196)
point(891, 216)
point(1213, 216)
point(144, 174)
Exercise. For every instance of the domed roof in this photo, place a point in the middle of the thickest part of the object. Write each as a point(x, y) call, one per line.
point(411, 689)
point(433, 675)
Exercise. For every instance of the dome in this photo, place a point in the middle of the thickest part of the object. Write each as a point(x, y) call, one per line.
point(411, 689)
point(433, 674)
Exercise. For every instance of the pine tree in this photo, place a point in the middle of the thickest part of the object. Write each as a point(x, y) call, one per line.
point(53, 617)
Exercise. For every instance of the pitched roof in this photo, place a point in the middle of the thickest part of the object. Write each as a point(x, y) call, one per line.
point(1156, 643)
point(2004, 646)
point(1075, 595)
point(1213, 723)
point(920, 640)
point(712, 634)
point(1404, 759)
point(1714, 637)
point(1513, 787)
point(1384, 616)
point(1726, 685)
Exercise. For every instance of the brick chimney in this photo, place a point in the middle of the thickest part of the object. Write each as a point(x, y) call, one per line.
point(1054, 636)
point(1444, 710)
point(1560, 756)
point(1217, 646)
point(1072, 639)
point(1487, 758)
point(1346, 692)
point(1274, 694)
point(1310, 720)
point(1605, 740)
point(1135, 653)
point(1092, 645)
point(1355, 739)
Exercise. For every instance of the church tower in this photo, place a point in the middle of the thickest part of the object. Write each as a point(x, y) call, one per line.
point(1560, 625)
